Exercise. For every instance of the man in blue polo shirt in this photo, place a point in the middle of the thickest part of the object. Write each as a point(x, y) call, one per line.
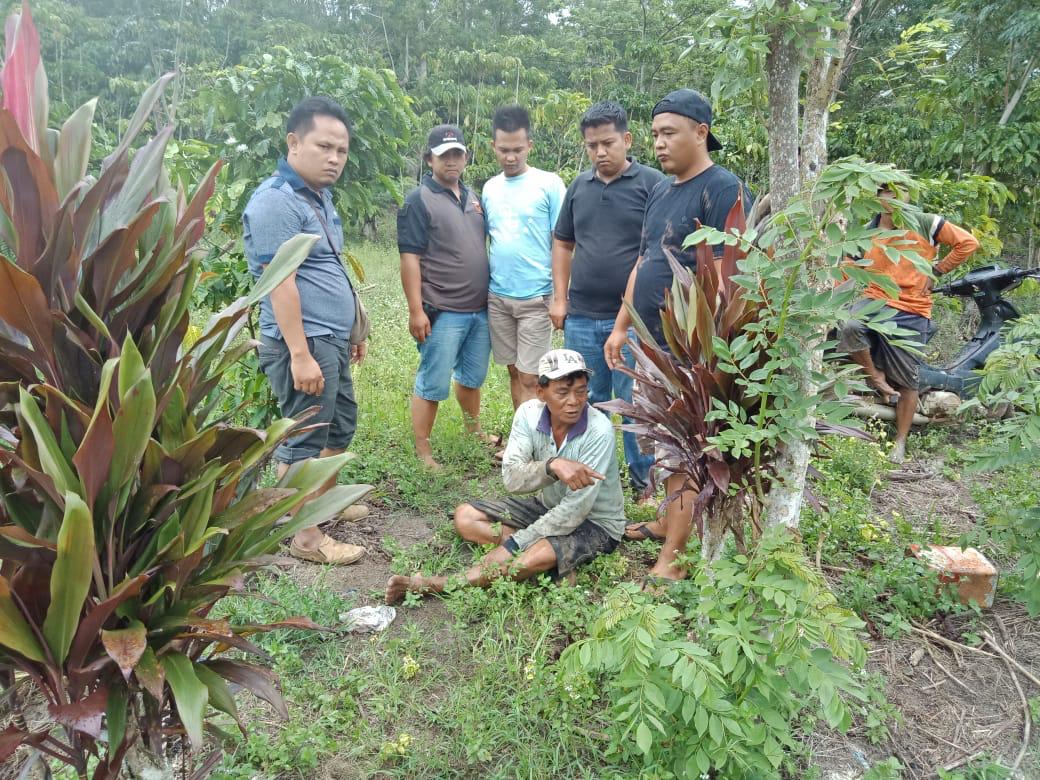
point(305, 324)
point(697, 191)
point(596, 245)
point(444, 272)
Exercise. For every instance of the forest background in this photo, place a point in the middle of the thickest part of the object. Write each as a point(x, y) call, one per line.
point(946, 89)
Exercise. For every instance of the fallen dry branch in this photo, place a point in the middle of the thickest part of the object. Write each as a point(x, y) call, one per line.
point(948, 673)
point(948, 642)
point(1028, 724)
point(1007, 658)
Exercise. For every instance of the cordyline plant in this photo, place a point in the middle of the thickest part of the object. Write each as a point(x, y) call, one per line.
point(125, 511)
point(720, 398)
point(680, 383)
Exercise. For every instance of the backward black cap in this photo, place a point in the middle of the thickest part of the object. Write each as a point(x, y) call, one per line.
point(691, 104)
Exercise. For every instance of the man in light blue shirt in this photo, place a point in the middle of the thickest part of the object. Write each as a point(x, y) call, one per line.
point(521, 206)
point(566, 451)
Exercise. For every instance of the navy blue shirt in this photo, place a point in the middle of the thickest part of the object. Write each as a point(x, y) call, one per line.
point(604, 221)
point(671, 216)
point(281, 207)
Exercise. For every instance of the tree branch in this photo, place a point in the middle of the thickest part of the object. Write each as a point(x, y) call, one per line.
point(1010, 107)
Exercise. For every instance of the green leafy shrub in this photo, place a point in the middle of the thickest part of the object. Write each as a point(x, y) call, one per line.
point(1012, 377)
point(717, 686)
point(125, 511)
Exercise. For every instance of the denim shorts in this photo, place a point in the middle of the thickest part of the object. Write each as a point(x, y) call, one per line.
point(459, 348)
point(337, 409)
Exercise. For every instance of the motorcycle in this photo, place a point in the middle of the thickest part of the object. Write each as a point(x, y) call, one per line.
point(943, 388)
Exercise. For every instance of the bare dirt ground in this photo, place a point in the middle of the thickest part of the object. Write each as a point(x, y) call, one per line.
point(959, 700)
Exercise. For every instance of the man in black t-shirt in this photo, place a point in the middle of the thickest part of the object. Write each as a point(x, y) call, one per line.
point(595, 246)
point(698, 190)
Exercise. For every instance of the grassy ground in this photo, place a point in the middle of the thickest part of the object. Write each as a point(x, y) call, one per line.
point(465, 686)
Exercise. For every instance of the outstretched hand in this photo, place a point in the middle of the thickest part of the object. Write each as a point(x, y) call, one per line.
point(573, 474)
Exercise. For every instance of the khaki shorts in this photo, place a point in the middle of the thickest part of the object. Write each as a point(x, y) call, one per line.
point(521, 331)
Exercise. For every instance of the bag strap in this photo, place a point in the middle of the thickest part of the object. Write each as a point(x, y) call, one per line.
point(324, 224)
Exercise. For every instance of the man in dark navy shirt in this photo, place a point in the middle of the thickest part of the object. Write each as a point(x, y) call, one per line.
point(596, 243)
point(699, 190)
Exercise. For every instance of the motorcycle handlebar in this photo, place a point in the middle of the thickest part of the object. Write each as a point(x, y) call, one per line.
point(965, 285)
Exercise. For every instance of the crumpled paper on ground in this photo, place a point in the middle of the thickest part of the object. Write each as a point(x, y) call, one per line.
point(368, 620)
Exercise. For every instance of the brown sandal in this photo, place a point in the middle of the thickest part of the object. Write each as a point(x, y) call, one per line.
point(329, 552)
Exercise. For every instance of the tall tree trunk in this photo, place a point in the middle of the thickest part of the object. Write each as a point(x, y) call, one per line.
point(1010, 107)
point(821, 90)
point(783, 71)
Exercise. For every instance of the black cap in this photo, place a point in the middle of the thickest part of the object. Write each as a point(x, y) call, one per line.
point(445, 137)
point(689, 103)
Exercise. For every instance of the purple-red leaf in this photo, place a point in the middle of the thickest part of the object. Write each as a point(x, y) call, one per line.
point(19, 79)
point(84, 715)
point(254, 678)
point(91, 625)
point(13, 738)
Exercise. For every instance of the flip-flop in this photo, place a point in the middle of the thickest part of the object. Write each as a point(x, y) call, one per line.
point(644, 531)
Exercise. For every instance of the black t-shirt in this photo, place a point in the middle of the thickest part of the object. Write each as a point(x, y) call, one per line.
point(605, 222)
point(670, 217)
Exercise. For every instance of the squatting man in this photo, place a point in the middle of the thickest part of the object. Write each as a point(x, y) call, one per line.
point(565, 450)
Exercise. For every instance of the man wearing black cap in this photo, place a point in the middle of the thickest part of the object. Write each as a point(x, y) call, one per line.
point(444, 272)
point(698, 191)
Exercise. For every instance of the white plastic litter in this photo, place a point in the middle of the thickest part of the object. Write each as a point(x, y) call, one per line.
point(368, 620)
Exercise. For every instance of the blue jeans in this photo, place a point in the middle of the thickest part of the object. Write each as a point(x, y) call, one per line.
point(587, 336)
point(459, 348)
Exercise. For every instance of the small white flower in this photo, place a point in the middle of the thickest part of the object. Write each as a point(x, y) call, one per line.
point(231, 141)
point(241, 148)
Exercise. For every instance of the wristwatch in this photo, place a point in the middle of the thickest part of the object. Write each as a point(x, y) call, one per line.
point(548, 470)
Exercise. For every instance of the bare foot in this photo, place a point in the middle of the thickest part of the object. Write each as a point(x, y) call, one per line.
point(491, 439)
point(429, 463)
point(397, 587)
point(879, 383)
point(666, 573)
point(898, 453)
point(638, 531)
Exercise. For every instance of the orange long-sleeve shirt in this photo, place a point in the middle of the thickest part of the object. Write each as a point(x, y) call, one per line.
point(914, 294)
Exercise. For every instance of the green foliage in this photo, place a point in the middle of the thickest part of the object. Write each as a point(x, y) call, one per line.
point(126, 512)
point(716, 685)
point(1011, 378)
point(878, 581)
point(973, 201)
point(792, 264)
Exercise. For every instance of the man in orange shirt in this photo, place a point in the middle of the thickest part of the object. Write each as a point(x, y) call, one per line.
point(890, 370)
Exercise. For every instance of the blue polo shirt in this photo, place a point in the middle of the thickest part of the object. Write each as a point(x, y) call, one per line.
point(280, 208)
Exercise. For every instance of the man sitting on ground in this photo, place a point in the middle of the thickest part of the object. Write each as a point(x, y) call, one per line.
point(564, 448)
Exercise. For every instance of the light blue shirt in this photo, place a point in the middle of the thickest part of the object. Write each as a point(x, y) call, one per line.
point(521, 212)
point(591, 441)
